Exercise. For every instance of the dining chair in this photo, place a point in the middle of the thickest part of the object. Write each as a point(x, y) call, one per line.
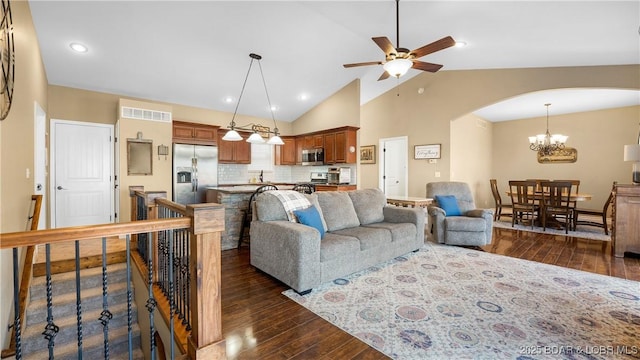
point(575, 189)
point(247, 215)
point(523, 201)
point(556, 203)
point(305, 188)
point(498, 201)
point(538, 182)
point(591, 217)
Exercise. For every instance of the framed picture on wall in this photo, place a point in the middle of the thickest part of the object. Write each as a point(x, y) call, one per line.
point(368, 154)
point(431, 151)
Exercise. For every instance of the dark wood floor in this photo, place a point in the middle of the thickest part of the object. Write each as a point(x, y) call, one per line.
point(260, 323)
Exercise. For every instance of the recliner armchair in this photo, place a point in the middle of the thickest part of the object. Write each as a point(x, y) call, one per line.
point(472, 227)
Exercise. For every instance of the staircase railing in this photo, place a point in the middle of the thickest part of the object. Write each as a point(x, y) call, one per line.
point(190, 296)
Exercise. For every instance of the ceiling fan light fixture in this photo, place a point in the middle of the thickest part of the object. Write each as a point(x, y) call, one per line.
point(398, 67)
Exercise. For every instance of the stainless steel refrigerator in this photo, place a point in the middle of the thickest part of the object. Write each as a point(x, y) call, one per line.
point(195, 167)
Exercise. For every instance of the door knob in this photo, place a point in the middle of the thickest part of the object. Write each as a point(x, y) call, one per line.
point(60, 188)
point(39, 187)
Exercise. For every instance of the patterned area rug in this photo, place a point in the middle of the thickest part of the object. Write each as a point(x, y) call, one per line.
point(446, 302)
point(582, 231)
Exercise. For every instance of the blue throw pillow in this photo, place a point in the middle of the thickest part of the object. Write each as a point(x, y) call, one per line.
point(449, 204)
point(310, 217)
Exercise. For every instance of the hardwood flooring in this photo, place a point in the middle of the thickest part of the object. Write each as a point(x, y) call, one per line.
point(260, 323)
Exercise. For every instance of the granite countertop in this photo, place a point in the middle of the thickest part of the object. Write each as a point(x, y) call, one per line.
point(245, 189)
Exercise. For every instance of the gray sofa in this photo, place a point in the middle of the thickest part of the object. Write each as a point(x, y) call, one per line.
point(361, 231)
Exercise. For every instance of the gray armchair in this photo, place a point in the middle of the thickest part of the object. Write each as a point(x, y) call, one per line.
point(473, 227)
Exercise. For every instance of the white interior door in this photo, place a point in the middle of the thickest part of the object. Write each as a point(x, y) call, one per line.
point(394, 171)
point(40, 161)
point(82, 173)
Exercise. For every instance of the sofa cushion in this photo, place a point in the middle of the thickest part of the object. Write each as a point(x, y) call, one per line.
point(369, 237)
point(335, 246)
point(463, 223)
point(313, 198)
point(399, 231)
point(269, 208)
point(449, 204)
point(310, 217)
point(338, 210)
point(368, 204)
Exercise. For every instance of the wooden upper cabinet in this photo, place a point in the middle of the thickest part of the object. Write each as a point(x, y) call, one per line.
point(340, 147)
point(299, 147)
point(330, 148)
point(234, 152)
point(314, 141)
point(286, 154)
point(346, 147)
point(192, 133)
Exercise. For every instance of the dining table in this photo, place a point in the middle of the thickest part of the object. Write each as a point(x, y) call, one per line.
point(538, 195)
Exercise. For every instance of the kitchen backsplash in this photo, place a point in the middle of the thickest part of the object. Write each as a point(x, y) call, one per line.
point(239, 174)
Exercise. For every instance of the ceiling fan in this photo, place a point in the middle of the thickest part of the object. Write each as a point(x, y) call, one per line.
point(399, 60)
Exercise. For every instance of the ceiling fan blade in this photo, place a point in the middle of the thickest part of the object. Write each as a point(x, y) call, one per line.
point(438, 45)
point(385, 44)
point(383, 76)
point(363, 64)
point(425, 66)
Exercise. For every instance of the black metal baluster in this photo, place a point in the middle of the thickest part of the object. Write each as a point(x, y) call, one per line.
point(188, 278)
point(51, 329)
point(17, 327)
point(184, 265)
point(172, 303)
point(78, 300)
point(105, 315)
point(151, 303)
point(129, 296)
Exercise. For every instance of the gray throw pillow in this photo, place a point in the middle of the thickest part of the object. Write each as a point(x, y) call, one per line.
point(368, 204)
point(337, 210)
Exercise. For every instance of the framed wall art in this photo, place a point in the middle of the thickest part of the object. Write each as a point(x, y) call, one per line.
point(368, 154)
point(431, 151)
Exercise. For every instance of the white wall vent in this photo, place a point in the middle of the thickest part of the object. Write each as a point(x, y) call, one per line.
point(144, 114)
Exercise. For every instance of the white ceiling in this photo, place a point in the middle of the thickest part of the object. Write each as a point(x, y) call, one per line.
point(196, 53)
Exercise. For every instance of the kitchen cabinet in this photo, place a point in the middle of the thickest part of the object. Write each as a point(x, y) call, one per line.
point(234, 152)
point(340, 147)
point(313, 141)
point(299, 148)
point(192, 133)
point(626, 212)
point(335, 187)
point(286, 154)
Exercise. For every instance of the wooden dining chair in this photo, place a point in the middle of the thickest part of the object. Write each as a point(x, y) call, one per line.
point(575, 189)
point(538, 182)
point(305, 188)
point(498, 201)
point(592, 217)
point(523, 201)
point(556, 203)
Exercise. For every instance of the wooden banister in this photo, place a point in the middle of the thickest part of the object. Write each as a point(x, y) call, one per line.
point(52, 236)
point(206, 340)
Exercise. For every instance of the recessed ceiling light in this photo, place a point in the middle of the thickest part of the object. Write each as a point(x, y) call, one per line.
point(303, 96)
point(228, 99)
point(274, 108)
point(461, 44)
point(77, 47)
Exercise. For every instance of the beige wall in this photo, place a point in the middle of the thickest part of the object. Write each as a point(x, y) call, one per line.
point(16, 146)
point(470, 137)
point(340, 109)
point(448, 95)
point(599, 136)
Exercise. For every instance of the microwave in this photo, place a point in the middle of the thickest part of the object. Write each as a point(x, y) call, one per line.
point(313, 157)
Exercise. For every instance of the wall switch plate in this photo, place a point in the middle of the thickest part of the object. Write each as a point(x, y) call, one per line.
point(437, 174)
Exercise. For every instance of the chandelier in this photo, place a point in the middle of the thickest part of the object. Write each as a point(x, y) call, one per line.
point(257, 130)
point(546, 144)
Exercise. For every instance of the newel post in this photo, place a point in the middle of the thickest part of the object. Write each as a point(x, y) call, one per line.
point(206, 341)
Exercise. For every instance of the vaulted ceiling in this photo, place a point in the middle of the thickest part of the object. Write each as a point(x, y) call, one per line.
point(197, 53)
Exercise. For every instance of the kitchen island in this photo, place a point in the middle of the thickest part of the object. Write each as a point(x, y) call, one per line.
point(235, 200)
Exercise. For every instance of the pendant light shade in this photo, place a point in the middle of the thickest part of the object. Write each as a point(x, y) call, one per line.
point(255, 138)
point(232, 135)
point(275, 140)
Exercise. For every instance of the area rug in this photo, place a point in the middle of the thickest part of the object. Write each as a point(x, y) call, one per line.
point(582, 231)
point(446, 302)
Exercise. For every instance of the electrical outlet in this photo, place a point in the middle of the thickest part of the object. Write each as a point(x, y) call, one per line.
point(437, 173)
